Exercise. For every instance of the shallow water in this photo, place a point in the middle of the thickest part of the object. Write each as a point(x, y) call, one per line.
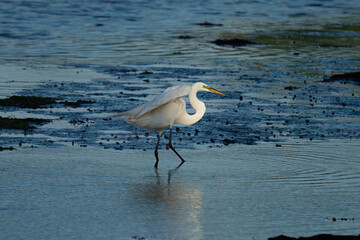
point(278, 155)
point(242, 192)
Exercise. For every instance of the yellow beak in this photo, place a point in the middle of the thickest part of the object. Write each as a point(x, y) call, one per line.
point(216, 91)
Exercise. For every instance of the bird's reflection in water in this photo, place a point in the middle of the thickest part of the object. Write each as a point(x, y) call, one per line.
point(173, 205)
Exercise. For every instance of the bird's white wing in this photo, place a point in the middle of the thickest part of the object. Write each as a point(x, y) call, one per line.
point(169, 95)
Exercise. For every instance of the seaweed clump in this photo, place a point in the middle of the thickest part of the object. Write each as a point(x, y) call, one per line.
point(21, 124)
point(351, 76)
point(209, 24)
point(235, 42)
point(6, 148)
point(35, 102)
point(26, 101)
point(318, 237)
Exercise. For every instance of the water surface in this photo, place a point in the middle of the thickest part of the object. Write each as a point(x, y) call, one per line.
point(111, 32)
point(242, 192)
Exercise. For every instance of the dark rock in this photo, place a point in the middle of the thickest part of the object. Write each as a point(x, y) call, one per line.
point(318, 237)
point(290, 88)
point(235, 42)
point(227, 141)
point(281, 237)
point(351, 76)
point(6, 148)
point(325, 45)
point(147, 72)
point(26, 101)
point(185, 37)
point(209, 24)
point(21, 124)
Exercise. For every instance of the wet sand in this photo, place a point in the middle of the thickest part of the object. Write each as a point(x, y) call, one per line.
point(254, 109)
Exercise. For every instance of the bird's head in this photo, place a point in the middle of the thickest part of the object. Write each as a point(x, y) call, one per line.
point(203, 87)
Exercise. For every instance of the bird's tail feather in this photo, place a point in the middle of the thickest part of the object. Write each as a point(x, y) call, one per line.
point(130, 113)
point(120, 114)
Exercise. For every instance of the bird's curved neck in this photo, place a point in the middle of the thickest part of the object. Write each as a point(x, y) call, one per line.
point(199, 107)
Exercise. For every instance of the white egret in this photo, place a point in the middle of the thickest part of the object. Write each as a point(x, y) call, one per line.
point(167, 109)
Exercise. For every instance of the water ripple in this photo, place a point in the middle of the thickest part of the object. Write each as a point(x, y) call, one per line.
point(318, 165)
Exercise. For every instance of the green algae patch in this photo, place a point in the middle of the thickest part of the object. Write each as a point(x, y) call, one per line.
point(26, 102)
point(296, 39)
point(353, 28)
point(21, 124)
point(328, 36)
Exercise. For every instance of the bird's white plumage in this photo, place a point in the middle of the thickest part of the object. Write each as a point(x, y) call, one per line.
point(169, 108)
point(170, 94)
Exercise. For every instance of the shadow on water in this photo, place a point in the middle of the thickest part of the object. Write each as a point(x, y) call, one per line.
point(158, 189)
point(173, 206)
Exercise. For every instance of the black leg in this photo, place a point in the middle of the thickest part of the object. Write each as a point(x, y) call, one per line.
point(169, 145)
point(156, 151)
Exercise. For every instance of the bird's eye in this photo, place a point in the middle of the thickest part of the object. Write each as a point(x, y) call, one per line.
point(207, 87)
